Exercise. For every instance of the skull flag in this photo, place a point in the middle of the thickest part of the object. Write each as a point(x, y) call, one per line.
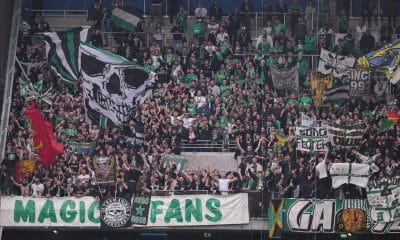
point(115, 212)
point(43, 136)
point(334, 63)
point(112, 85)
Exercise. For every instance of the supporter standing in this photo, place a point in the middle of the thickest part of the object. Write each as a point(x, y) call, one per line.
point(323, 178)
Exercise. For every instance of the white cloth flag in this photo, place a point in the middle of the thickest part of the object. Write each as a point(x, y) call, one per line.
point(349, 173)
point(334, 63)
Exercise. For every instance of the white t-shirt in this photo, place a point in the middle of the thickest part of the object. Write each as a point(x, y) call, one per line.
point(37, 189)
point(223, 185)
point(200, 100)
point(200, 12)
point(322, 170)
point(83, 178)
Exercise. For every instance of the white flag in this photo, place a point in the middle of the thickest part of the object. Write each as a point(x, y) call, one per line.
point(334, 63)
point(349, 173)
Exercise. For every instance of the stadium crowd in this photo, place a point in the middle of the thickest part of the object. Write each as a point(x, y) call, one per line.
point(213, 84)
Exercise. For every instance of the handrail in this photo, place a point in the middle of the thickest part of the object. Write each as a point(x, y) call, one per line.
point(65, 14)
point(148, 34)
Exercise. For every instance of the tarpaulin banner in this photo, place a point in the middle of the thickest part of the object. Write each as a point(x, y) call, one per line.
point(49, 212)
point(192, 210)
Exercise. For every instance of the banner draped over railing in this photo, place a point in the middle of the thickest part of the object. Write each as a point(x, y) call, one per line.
point(325, 216)
point(117, 212)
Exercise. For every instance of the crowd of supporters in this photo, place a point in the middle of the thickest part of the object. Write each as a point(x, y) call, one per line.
point(214, 83)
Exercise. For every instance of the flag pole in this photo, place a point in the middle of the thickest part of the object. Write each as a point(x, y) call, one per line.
point(22, 69)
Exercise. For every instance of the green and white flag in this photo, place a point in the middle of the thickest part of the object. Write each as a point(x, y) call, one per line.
point(349, 173)
point(62, 51)
point(126, 18)
point(26, 88)
point(178, 160)
point(383, 196)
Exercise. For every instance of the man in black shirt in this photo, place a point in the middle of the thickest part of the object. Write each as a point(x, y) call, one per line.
point(120, 188)
point(178, 36)
point(216, 11)
point(96, 39)
point(130, 179)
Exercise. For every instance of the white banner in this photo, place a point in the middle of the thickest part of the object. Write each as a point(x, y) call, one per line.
point(349, 173)
point(311, 138)
point(334, 63)
point(192, 210)
point(383, 197)
point(49, 212)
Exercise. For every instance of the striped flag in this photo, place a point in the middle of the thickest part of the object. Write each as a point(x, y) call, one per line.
point(356, 203)
point(337, 95)
point(126, 18)
point(62, 51)
point(139, 133)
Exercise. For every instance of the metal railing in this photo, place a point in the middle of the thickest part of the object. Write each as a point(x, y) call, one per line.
point(111, 38)
point(9, 76)
point(208, 146)
point(69, 16)
point(258, 200)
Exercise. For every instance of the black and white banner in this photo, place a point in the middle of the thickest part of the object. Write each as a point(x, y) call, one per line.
point(313, 139)
point(112, 85)
point(285, 78)
point(359, 82)
point(115, 212)
point(334, 63)
point(345, 136)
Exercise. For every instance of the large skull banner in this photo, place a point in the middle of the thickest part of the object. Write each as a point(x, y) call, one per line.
point(112, 85)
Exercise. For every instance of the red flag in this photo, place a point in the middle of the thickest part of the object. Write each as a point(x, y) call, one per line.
point(43, 136)
point(392, 115)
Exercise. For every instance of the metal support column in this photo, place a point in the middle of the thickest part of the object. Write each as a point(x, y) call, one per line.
point(12, 43)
